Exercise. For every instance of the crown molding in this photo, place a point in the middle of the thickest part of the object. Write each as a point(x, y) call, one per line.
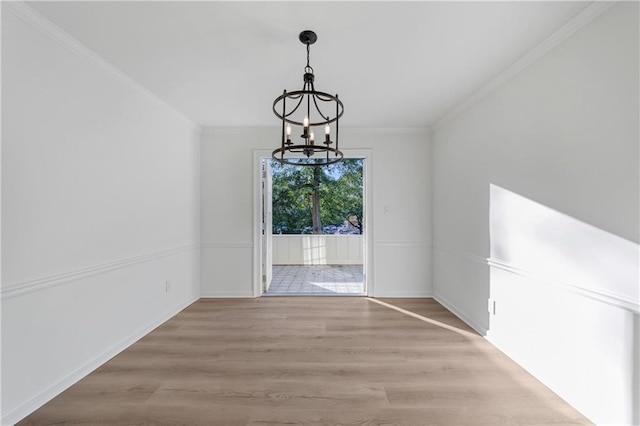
point(587, 15)
point(343, 129)
point(29, 15)
point(386, 130)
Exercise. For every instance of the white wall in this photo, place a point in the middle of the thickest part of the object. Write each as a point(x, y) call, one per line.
point(541, 178)
point(401, 215)
point(100, 207)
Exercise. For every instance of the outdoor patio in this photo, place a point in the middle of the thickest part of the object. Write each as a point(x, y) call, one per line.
point(317, 280)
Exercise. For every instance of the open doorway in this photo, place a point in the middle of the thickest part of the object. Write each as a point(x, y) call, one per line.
point(313, 233)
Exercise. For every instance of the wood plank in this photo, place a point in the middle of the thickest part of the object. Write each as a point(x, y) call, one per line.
point(305, 360)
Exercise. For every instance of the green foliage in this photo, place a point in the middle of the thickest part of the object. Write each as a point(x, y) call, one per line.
point(340, 189)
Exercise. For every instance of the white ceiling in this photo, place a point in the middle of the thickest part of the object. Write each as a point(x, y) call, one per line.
point(394, 64)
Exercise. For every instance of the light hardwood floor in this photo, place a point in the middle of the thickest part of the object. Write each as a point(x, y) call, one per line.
point(306, 360)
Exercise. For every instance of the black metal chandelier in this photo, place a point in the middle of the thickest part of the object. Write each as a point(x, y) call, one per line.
point(319, 109)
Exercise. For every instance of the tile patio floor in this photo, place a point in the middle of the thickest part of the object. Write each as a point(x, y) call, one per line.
point(317, 280)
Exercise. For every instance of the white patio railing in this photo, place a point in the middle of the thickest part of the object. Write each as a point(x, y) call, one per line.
point(317, 249)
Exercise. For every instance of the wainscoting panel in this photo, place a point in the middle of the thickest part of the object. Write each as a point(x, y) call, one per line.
point(402, 269)
point(56, 332)
point(227, 270)
point(461, 284)
point(580, 345)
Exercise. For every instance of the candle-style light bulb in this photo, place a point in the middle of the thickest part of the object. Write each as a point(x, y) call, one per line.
point(305, 127)
point(311, 138)
point(288, 133)
point(327, 130)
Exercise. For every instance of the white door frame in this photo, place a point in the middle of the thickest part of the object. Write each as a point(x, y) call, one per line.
point(267, 226)
point(367, 172)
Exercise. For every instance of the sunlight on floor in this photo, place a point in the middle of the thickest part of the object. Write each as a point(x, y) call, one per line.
point(317, 279)
point(425, 319)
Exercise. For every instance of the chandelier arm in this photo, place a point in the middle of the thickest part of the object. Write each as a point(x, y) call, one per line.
point(290, 95)
point(296, 107)
point(324, 97)
point(318, 109)
point(339, 112)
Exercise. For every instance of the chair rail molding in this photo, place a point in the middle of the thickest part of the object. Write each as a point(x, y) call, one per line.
point(616, 300)
point(227, 244)
point(21, 288)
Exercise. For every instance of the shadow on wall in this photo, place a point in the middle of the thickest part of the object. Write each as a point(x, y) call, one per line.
point(564, 303)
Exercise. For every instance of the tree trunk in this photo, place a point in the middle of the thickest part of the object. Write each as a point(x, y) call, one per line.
point(315, 201)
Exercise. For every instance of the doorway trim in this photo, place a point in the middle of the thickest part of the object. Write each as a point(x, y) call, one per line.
point(367, 175)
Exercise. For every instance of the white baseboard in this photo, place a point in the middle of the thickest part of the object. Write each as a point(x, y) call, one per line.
point(407, 294)
point(15, 415)
point(457, 312)
point(225, 294)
